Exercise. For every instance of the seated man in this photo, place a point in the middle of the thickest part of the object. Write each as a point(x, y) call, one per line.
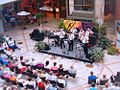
point(103, 80)
point(92, 78)
point(72, 72)
point(61, 82)
point(12, 44)
point(52, 78)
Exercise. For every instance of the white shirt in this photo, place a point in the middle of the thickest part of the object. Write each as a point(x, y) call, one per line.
point(71, 36)
point(52, 78)
point(11, 42)
point(4, 45)
point(61, 34)
point(62, 81)
point(72, 71)
point(74, 30)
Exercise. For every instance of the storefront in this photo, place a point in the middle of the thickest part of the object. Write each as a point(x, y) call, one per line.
point(7, 8)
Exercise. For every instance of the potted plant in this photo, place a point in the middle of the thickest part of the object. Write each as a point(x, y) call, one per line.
point(111, 51)
point(61, 24)
point(40, 46)
point(104, 43)
point(39, 17)
point(97, 54)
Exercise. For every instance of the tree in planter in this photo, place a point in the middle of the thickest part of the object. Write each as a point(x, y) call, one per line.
point(104, 42)
point(97, 54)
point(40, 17)
point(40, 46)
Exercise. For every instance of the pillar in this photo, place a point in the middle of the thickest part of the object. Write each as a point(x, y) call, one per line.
point(99, 11)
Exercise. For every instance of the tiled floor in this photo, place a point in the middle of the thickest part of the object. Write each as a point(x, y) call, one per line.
point(109, 66)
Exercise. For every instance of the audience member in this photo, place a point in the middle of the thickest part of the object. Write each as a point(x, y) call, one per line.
point(92, 78)
point(93, 86)
point(12, 44)
point(112, 78)
point(72, 72)
point(61, 82)
point(41, 86)
point(103, 80)
point(54, 68)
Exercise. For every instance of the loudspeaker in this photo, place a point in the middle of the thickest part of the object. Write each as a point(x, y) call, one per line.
point(92, 40)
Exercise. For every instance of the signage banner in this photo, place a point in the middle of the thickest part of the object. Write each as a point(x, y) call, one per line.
point(69, 24)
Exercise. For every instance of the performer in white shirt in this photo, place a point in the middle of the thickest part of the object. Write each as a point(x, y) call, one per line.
point(84, 37)
point(71, 37)
point(61, 35)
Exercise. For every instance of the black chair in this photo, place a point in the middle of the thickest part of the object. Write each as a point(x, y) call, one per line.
point(43, 79)
point(30, 87)
point(60, 85)
point(72, 75)
point(54, 83)
point(102, 82)
point(20, 84)
point(55, 71)
point(91, 81)
point(23, 63)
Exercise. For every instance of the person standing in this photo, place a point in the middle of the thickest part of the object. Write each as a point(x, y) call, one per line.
point(54, 10)
point(61, 35)
point(71, 38)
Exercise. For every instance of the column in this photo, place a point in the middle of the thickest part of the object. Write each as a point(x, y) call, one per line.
point(117, 9)
point(71, 6)
point(99, 11)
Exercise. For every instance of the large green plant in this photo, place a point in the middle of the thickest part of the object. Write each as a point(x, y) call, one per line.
point(103, 30)
point(111, 51)
point(61, 24)
point(40, 17)
point(40, 45)
point(104, 42)
point(97, 54)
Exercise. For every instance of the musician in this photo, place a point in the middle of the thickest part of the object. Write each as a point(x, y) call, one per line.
point(61, 36)
point(74, 30)
point(56, 38)
point(71, 37)
point(85, 39)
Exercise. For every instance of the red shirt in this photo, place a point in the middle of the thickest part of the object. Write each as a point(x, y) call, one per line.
point(41, 85)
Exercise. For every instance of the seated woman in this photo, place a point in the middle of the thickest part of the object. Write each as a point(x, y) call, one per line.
point(103, 80)
point(54, 68)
